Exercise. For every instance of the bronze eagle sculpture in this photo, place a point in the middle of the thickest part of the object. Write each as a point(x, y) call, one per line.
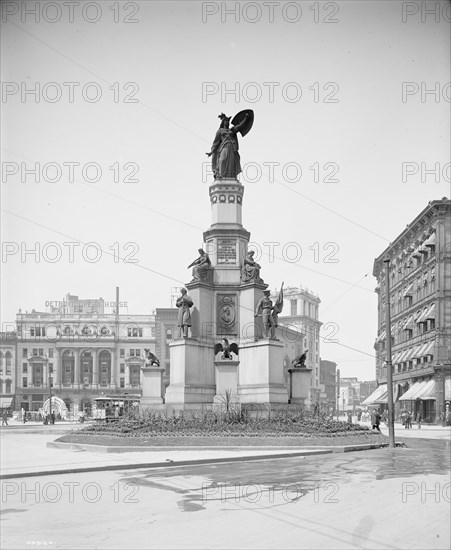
point(226, 348)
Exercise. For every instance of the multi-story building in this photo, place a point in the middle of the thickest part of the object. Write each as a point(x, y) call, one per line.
point(328, 381)
point(8, 342)
point(78, 353)
point(420, 307)
point(301, 313)
point(166, 329)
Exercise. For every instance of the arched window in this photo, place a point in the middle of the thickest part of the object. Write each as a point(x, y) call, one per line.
point(104, 368)
point(8, 358)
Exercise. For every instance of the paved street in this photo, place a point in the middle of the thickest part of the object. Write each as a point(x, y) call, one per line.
point(383, 498)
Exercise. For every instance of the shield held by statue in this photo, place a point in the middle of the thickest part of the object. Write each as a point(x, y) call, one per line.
point(239, 117)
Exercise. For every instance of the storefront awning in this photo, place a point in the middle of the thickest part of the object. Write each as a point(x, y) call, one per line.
point(376, 395)
point(429, 348)
point(409, 354)
point(431, 312)
point(382, 336)
point(5, 402)
point(384, 397)
point(430, 241)
point(408, 291)
point(396, 357)
point(428, 313)
point(428, 391)
point(411, 393)
point(408, 325)
point(402, 357)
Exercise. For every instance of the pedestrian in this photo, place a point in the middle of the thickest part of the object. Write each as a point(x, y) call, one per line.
point(408, 420)
point(376, 420)
point(419, 419)
point(52, 418)
point(24, 416)
point(5, 418)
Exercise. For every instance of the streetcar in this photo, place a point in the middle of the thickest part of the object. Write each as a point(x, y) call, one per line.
point(111, 408)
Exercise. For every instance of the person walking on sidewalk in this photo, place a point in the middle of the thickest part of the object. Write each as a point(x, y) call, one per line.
point(419, 419)
point(5, 418)
point(376, 419)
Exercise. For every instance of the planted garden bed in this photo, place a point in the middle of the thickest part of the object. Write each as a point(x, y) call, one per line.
point(197, 428)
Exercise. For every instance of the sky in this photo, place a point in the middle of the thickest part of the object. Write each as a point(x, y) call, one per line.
point(351, 103)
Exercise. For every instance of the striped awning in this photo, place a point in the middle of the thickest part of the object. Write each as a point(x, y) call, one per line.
point(384, 397)
point(412, 392)
point(428, 313)
point(408, 291)
point(429, 348)
point(382, 336)
point(430, 241)
point(408, 325)
point(376, 395)
point(428, 391)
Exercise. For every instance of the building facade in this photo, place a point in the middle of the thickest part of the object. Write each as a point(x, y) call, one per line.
point(420, 308)
point(79, 354)
point(328, 381)
point(8, 346)
point(301, 314)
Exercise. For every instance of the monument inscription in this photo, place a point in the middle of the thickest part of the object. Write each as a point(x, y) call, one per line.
point(226, 251)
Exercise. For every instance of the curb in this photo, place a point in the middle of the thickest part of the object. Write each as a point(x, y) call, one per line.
point(206, 461)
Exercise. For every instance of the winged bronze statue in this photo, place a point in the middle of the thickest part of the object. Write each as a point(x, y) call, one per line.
point(299, 361)
point(151, 359)
point(226, 349)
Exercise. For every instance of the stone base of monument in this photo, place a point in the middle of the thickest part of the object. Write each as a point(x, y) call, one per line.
point(152, 386)
point(261, 377)
point(300, 386)
point(226, 376)
point(192, 377)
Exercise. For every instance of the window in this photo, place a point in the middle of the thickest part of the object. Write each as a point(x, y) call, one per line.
point(132, 353)
point(35, 352)
point(138, 353)
point(294, 305)
point(50, 352)
point(140, 332)
point(32, 332)
point(24, 367)
point(152, 331)
point(134, 332)
point(8, 386)
point(122, 368)
point(24, 382)
point(24, 352)
point(8, 362)
point(122, 353)
point(122, 382)
point(41, 352)
point(50, 367)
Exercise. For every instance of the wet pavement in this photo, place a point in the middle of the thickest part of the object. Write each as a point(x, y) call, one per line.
point(383, 498)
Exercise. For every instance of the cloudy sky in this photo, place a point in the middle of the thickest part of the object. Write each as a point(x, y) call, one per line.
point(115, 104)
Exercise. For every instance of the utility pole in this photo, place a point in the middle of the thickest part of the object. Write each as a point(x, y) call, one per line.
point(391, 412)
point(338, 393)
point(50, 392)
